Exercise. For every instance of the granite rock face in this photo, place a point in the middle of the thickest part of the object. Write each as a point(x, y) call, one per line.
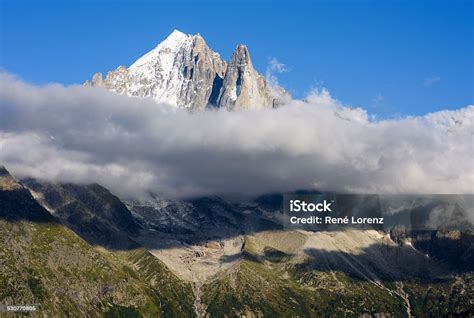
point(243, 87)
point(183, 71)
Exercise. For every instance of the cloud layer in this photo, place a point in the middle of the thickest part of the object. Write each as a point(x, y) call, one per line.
point(130, 145)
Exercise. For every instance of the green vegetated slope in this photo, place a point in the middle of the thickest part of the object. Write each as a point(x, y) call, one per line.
point(453, 298)
point(267, 283)
point(45, 263)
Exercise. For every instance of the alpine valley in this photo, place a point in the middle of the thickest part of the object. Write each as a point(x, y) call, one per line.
point(78, 250)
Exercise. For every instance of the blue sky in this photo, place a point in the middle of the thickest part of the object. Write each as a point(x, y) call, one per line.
point(390, 57)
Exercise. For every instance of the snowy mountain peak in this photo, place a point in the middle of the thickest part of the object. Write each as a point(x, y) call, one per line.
point(169, 46)
point(175, 40)
point(185, 72)
point(176, 33)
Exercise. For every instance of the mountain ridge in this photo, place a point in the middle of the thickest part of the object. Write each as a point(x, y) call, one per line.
point(211, 258)
point(184, 71)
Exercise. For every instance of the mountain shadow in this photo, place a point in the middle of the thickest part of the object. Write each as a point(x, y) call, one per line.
point(17, 203)
point(91, 211)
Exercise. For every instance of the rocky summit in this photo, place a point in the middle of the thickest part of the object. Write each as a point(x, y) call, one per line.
point(184, 71)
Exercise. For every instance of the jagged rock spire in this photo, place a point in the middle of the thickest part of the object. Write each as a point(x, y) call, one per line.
point(243, 87)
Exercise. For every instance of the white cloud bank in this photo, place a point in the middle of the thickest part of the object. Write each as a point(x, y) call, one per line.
point(129, 145)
